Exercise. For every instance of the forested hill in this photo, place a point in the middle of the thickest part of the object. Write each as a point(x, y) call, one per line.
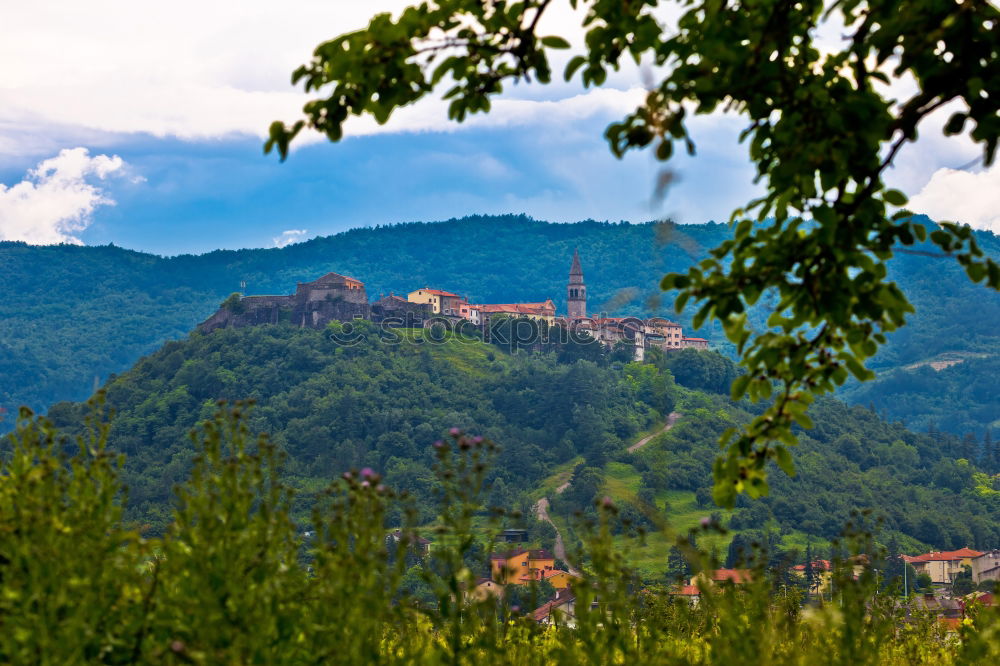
point(71, 315)
point(381, 403)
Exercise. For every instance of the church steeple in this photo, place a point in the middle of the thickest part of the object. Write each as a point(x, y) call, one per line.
point(576, 290)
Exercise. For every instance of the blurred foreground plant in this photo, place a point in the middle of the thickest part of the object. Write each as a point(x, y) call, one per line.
point(235, 580)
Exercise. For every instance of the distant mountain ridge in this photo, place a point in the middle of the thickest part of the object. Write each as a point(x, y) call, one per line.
point(73, 315)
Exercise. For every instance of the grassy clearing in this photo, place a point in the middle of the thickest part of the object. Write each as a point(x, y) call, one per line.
point(559, 476)
point(469, 355)
point(649, 554)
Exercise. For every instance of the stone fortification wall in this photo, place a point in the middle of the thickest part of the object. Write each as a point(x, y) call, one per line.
point(259, 310)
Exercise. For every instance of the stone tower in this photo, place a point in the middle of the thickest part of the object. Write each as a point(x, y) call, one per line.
point(576, 291)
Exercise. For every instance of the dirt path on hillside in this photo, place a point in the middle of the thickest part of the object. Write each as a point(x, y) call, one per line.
point(542, 506)
point(671, 420)
point(559, 549)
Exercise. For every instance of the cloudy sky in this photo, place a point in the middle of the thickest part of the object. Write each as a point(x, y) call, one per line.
point(142, 124)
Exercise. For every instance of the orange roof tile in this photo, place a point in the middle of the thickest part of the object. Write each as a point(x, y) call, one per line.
point(539, 574)
point(821, 565)
point(546, 609)
point(943, 556)
point(734, 575)
point(438, 292)
point(546, 308)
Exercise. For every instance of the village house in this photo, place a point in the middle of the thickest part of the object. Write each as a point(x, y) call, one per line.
point(419, 544)
point(694, 343)
point(513, 535)
point(560, 610)
point(822, 575)
point(485, 588)
point(942, 567)
point(544, 311)
point(522, 566)
point(441, 302)
point(690, 593)
point(733, 576)
point(558, 578)
point(986, 567)
point(664, 333)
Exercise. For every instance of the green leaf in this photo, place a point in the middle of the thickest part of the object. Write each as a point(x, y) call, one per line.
point(555, 42)
point(894, 197)
point(784, 460)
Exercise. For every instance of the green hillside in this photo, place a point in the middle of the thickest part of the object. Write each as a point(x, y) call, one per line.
point(71, 316)
point(332, 406)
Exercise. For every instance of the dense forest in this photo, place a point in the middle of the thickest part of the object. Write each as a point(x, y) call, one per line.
point(72, 315)
point(380, 403)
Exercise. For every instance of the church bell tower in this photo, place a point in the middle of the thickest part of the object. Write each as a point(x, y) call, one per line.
point(576, 291)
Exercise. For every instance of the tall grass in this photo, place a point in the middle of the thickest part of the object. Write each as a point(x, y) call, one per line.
point(235, 581)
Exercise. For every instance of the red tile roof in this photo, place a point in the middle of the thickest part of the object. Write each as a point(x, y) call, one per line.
point(734, 575)
point(696, 339)
point(547, 308)
point(438, 292)
point(687, 591)
point(819, 565)
point(563, 597)
point(943, 556)
point(540, 574)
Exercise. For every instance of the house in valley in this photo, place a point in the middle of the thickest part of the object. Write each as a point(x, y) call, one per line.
point(523, 566)
point(943, 566)
point(986, 567)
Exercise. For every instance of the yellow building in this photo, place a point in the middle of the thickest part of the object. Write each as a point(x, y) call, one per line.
point(943, 567)
point(520, 567)
point(440, 301)
point(664, 333)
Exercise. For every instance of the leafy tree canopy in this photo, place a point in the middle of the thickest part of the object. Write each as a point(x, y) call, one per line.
point(821, 130)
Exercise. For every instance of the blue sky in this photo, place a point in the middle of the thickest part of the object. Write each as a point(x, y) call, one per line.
point(194, 196)
point(149, 136)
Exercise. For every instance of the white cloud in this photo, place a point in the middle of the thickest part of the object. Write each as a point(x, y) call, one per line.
point(966, 197)
point(187, 69)
point(55, 201)
point(289, 237)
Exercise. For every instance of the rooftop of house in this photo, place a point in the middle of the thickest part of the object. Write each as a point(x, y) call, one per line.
point(660, 321)
point(436, 292)
point(519, 308)
point(818, 565)
point(562, 598)
point(695, 339)
point(686, 591)
point(335, 278)
point(532, 554)
point(943, 556)
point(735, 575)
point(540, 574)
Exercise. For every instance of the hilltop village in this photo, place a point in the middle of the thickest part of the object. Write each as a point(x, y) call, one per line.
point(336, 297)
